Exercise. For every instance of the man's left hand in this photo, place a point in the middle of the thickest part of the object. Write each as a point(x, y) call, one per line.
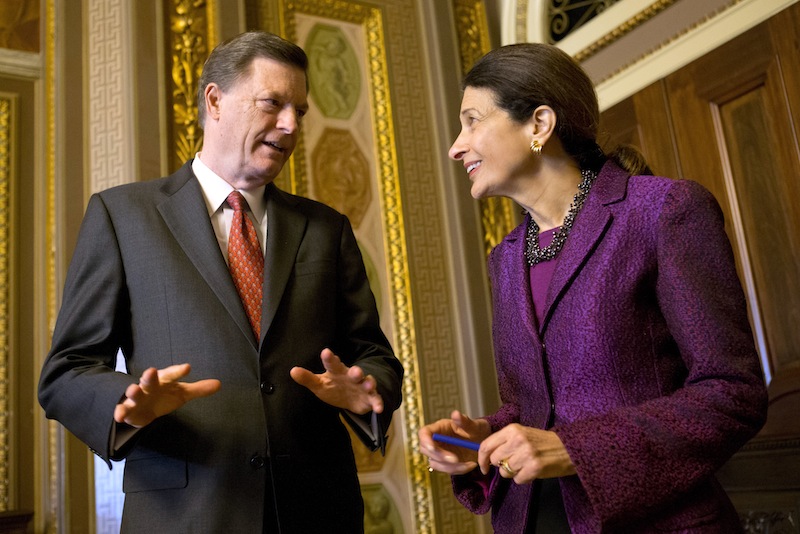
point(344, 387)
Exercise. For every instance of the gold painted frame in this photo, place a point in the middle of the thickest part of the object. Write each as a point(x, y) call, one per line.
point(371, 19)
point(7, 113)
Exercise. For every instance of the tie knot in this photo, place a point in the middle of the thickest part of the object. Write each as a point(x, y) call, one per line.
point(237, 201)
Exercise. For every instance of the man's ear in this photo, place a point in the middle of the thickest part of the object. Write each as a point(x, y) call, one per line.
point(212, 94)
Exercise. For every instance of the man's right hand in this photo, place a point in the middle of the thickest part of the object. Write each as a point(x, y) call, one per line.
point(160, 392)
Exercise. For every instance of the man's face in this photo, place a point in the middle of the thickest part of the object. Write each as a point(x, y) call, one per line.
point(253, 128)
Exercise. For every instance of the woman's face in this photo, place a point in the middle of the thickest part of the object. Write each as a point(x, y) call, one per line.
point(494, 149)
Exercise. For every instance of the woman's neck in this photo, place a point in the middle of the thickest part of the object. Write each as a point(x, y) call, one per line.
point(548, 195)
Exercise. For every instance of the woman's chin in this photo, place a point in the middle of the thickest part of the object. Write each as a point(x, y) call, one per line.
point(477, 192)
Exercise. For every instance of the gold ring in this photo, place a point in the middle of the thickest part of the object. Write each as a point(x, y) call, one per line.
point(507, 468)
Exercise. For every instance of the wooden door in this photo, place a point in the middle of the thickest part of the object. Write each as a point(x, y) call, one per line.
point(731, 121)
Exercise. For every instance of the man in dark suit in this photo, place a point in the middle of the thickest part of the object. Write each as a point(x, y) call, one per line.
point(256, 443)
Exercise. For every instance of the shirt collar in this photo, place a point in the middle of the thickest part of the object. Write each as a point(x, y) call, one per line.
point(216, 191)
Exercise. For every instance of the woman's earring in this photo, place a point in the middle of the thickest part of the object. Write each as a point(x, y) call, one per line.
point(536, 148)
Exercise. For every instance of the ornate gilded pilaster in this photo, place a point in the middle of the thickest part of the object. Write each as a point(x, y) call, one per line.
point(192, 35)
point(497, 214)
point(6, 118)
point(473, 31)
point(54, 432)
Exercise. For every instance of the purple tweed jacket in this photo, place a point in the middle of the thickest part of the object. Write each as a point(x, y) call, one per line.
point(645, 361)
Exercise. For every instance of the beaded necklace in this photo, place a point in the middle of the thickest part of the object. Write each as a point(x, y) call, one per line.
point(533, 253)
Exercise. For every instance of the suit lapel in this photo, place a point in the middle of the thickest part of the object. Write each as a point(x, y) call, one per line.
point(184, 212)
point(286, 228)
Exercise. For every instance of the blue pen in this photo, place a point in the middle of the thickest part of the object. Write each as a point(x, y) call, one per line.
point(457, 441)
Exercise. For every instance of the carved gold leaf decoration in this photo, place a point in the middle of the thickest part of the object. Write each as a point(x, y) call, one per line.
point(188, 50)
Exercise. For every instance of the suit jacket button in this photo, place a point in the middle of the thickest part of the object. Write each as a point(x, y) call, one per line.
point(256, 462)
point(269, 389)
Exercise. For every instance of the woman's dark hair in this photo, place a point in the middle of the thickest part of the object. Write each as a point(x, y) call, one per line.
point(525, 76)
point(231, 60)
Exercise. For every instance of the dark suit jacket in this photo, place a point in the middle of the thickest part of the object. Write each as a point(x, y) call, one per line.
point(148, 276)
point(644, 364)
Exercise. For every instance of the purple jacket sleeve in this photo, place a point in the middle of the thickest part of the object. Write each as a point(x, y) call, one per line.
point(634, 458)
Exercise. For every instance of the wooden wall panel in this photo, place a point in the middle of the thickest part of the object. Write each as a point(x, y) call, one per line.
point(733, 120)
point(644, 121)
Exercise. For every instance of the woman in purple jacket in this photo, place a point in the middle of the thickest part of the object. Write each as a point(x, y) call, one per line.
point(625, 361)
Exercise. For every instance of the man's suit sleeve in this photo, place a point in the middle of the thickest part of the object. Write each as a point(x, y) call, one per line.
point(78, 385)
point(364, 339)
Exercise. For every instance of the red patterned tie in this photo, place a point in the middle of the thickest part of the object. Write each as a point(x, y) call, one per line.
point(245, 260)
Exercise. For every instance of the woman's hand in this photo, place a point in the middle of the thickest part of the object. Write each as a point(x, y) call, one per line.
point(452, 459)
point(525, 454)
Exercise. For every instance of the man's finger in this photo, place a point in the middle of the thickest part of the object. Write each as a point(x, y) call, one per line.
point(203, 388)
point(332, 362)
point(369, 384)
point(356, 374)
point(148, 380)
point(173, 373)
point(304, 377)
point(377, 404)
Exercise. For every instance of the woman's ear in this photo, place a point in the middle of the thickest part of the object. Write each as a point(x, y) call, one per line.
point(543, 124)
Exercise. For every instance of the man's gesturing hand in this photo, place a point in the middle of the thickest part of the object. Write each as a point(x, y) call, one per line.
point(160, 392)
point(344, 387)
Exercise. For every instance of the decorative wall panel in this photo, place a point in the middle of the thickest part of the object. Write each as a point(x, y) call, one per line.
point(347, 158)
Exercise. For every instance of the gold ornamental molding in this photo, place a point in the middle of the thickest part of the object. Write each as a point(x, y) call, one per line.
point(192, 35)
point(497, 214)
point(370, 18)
point(6, 174)
point(639, 19)
point(473, 31)
point(623, 29)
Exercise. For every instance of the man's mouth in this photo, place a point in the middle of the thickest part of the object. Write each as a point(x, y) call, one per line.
point(274, 146)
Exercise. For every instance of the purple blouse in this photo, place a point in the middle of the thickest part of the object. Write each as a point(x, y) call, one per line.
point(540, 275)
point(548, 505)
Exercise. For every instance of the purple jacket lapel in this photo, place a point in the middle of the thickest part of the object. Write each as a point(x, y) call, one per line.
point(516, 276)
point(590, 226)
